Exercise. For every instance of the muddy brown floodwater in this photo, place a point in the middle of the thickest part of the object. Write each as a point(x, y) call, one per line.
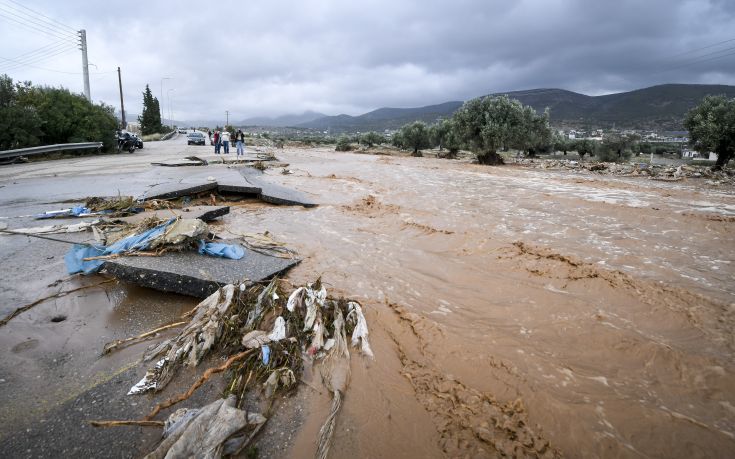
point(512, 311)
point(519, 312)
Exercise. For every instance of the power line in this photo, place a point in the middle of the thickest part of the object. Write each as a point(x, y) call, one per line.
point(703, 48)
point(36, 25)
point(42, 51)
point(29, 25)
point(38, 55)
point(22, 64)
point(34, 18)
point(15, 65)
point(36, 13)
point(699, 60)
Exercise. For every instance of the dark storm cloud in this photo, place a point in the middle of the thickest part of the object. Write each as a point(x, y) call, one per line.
point(268, 58)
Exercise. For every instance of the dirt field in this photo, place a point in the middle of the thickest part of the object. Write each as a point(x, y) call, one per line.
point(513, 311)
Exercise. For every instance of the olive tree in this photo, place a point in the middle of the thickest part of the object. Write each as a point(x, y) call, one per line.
point(438, 133)
point(371, 138)
point(488, 124)
point(614, 147)
point(415, 135)
point(711, 127)
point(583, 147)
point(343, 144)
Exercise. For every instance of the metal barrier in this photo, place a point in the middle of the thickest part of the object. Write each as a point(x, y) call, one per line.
point(7, 154)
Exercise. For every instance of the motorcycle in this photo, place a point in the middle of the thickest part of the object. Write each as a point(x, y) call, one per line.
point(125, 141)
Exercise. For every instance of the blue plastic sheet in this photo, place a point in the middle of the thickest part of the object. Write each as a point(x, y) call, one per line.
point(75, 262)
point(218, 249)
point(266, 350)
point(75, 257)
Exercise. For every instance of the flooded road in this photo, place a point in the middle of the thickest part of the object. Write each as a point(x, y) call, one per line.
point(512, 311)
point(520, 311)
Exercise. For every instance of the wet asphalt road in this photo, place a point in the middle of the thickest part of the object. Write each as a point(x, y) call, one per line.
point(52, 378)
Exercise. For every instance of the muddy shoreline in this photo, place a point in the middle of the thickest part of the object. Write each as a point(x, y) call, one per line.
point(514, 310)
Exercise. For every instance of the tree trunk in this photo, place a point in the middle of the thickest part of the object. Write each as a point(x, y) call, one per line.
point(491, 158)
point(723, 156)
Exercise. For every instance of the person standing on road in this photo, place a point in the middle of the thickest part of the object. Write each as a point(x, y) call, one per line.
point(209, 134)
point(216, 142)
point(225, 136)
point(240, 140)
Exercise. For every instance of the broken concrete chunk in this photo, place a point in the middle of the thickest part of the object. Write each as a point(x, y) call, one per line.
point(191, 274)
point(174, 190)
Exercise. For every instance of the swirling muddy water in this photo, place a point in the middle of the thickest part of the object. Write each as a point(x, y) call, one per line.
point(519, 311)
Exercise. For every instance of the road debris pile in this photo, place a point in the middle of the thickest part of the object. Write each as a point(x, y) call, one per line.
point(176, 234)
point(120, 206)
point(269, 338)
point(653, 171)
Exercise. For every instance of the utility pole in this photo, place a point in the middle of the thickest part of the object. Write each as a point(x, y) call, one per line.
point(122, 104)
point(85, 65)
point(227, 114)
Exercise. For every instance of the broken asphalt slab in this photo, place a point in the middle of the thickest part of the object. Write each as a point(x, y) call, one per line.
point(246, 181)
point(173, 190)
point(190, 273)
point(275, 194)
point(203, 213)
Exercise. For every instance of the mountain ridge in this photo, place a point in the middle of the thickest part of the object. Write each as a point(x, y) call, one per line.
point(661, 107)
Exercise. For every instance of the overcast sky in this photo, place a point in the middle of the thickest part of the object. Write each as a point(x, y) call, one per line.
point(267, 58)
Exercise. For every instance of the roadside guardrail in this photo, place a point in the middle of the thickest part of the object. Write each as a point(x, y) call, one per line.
point(9, 154)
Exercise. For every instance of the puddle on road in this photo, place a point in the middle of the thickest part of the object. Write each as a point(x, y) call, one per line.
point(519, 312)
point(55, 347)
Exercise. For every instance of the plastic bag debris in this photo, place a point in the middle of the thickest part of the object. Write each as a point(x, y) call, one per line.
point(218, 249)
point(282, 377)
point(194, 341)
point(255, 338)
point(296, 298)
point(76, 211)
point(265, 351)
point(204, 433)
point(148, 382)
point(279, 330)
point(360, 333)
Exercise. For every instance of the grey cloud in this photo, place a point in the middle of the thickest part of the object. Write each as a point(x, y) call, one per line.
point(270, 58)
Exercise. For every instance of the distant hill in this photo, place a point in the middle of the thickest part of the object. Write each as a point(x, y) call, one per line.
point(660, 107)
point(383, 118)
point(282, 121)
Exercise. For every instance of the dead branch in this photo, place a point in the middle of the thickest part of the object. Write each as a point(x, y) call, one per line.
point(23, 309)
point(207, 374)
point(126, 423)
point(109, 347)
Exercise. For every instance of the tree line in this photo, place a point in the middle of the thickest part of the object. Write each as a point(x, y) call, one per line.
point(491, 124)
point(41, 115)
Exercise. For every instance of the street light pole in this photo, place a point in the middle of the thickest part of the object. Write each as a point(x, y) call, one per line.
point(227, 114)
point(161, 101)
point(170, 115)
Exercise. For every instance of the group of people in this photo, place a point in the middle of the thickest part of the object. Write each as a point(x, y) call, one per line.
point(221, 141)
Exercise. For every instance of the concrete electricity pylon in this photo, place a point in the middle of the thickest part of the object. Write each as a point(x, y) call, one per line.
point(85, 65)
